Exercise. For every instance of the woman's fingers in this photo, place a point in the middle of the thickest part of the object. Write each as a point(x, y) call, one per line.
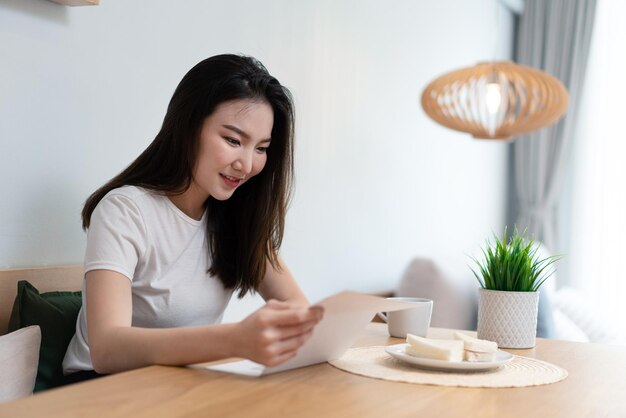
point(278, 304)
point(291, 344)
point(283, 305)
point(280, 358)
point(294, 316)
point(276, 334)
point(281, 328)
point(283, 350)
point(294, 330)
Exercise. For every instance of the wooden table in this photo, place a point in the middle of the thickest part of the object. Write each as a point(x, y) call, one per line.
point(594, 388)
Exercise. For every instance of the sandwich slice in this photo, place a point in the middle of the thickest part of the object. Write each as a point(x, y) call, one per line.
point(446, 350)
point(476, 349)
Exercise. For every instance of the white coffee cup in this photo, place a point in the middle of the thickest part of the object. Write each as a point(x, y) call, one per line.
point(414, 320)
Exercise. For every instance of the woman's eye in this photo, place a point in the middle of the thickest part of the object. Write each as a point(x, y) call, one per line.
point(262, 150)
point(231, 141)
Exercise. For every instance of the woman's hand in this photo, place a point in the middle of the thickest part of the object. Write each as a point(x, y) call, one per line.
point(274, 333)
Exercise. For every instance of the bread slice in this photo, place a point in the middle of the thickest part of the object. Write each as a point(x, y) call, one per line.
point(476, 345)
point(473, 356)
point(447, 350)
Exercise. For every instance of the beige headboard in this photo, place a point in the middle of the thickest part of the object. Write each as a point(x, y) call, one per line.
point(45, 279)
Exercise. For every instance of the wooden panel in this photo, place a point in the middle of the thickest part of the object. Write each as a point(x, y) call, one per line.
point(45, 279)
point(77, 2)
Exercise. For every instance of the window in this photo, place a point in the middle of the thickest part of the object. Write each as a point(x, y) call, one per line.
point(594, 213)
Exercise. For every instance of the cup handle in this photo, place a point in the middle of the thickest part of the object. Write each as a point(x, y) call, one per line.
point(382, 316)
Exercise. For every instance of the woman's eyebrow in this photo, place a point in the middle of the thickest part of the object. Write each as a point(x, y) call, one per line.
point(242, 133)
point(237, 130)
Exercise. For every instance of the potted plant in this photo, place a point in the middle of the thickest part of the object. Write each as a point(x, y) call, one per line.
point(510, 276)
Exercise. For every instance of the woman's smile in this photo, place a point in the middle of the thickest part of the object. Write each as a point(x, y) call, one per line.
point(232, 182)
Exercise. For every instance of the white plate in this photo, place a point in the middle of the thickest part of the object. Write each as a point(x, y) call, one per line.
point(398, 351)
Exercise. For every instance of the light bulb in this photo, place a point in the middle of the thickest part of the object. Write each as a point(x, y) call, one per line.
point(493, 97)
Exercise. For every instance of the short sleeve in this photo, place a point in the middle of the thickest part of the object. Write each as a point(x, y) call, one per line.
point(116, 237)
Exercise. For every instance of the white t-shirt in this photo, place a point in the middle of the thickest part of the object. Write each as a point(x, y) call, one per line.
point(163, 252)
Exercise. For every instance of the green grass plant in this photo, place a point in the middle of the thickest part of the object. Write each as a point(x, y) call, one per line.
point(513, 265)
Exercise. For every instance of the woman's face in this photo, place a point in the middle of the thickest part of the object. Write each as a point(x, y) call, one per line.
point(233, 147)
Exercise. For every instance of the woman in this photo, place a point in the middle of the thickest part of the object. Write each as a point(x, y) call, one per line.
point(198, 215)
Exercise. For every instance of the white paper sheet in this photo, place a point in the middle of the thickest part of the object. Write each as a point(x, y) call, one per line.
point(346, 314)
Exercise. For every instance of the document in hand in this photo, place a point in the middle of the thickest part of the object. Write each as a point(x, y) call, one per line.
point(345, 316)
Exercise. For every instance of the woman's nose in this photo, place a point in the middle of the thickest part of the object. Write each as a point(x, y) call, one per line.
point(243, 163)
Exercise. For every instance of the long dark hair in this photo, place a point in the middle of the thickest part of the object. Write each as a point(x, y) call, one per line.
point(245, 231)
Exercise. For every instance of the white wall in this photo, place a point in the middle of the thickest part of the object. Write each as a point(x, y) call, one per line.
point(84, 90)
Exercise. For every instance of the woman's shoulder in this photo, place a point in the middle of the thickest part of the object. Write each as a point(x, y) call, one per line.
point(131, 192)
point(134, 196)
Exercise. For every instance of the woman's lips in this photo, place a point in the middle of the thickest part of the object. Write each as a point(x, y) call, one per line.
point(231, 182)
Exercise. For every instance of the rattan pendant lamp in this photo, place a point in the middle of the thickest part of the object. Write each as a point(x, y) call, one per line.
point(495, 100)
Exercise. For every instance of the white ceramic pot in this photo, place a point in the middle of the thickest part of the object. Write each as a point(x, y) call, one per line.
point(508, 318)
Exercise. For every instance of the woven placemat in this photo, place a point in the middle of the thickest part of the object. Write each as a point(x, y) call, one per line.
point(519, 372)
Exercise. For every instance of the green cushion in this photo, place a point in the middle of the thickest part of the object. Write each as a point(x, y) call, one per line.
point(55, 313)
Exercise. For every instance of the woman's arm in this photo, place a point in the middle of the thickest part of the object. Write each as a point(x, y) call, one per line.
point(280, 284)
point(269, 336)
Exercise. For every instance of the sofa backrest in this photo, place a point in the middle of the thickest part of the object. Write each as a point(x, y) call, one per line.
point(46, 279)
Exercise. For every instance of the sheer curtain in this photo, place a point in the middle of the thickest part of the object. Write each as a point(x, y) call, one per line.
point(553, 36)
point(595, 239)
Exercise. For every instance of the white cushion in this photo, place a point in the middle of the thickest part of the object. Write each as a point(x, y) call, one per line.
point(454, 300)
point(19, 358)
point(566, 329)
point(588, 315)
point(454, 292)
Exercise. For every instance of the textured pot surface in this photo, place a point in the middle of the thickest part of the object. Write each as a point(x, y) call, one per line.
point(508, 318)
